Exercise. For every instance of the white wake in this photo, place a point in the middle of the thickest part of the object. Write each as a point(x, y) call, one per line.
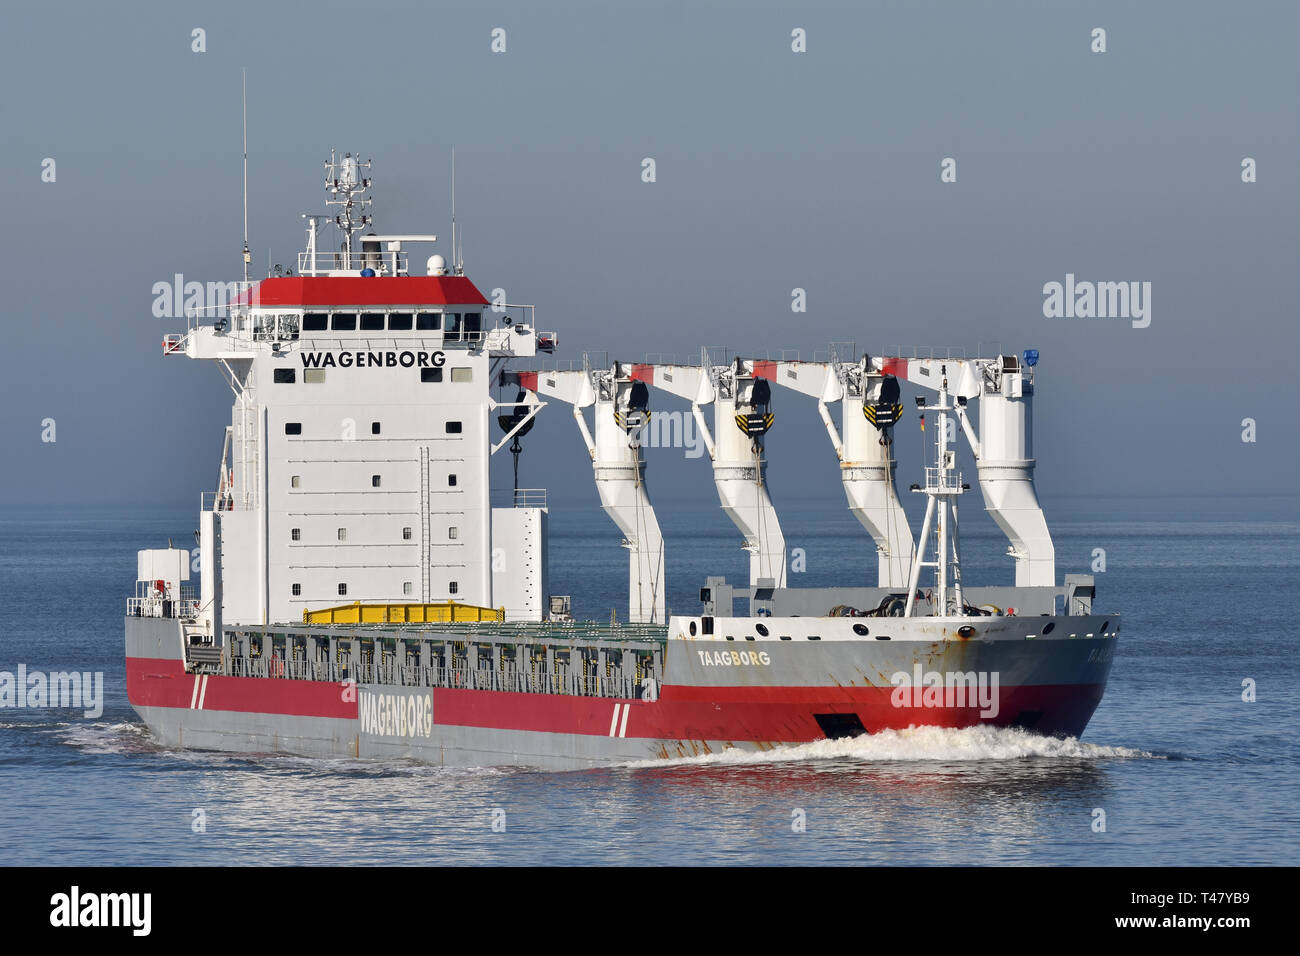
point(928, 744)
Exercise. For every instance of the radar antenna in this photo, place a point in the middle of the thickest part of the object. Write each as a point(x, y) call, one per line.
point(345, 184)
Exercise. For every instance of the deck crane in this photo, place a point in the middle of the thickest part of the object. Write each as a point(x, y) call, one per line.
point(741, 393)
point(1004, 387)
point(621, 414)
point(863, 443)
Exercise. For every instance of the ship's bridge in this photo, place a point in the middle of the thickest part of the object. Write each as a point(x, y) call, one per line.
point(362, 312)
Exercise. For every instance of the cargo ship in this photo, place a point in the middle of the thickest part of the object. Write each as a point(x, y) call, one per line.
point(363, 593)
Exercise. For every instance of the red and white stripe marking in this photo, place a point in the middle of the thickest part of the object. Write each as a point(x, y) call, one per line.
point(200, 691)
point(617, 727)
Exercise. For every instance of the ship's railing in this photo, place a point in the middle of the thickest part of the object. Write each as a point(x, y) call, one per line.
point(463, 677)
point(384, 262)
point(212, 501)
point(519, 498)
point(943, 480)
point(172, 605)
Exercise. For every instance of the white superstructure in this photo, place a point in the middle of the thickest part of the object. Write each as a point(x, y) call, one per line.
point(355, 467)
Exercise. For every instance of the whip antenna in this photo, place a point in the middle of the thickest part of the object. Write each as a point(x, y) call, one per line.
point(247, 257)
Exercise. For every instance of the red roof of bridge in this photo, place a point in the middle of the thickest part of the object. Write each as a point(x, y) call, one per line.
point(358, 290)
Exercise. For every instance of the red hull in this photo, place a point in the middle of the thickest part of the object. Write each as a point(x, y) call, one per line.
point(766, 714)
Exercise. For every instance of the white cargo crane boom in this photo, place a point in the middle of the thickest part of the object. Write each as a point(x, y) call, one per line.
point(863, 445)
point(1004, 387)
point(621, 414)
point(741, 396)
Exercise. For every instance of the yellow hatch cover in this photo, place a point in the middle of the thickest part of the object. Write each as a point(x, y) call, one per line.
point(444, 612)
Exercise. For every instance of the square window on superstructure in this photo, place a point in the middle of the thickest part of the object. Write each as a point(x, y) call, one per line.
point(453, 533)
point(453, 428)
point(406, 534)
point(451, 481)
point(343, 321)
point(293, 428)
point(428, 321)
point(374, 481)
point(313, 376)
point(430, 375)
point(343, 534)
point(294, 481)
point(400, 321)
point(374, 428)
point(462, 375)
point(343, 589)
point(372, 321)
point(315, 322)
point(295, 534)
point(452, 587)
point(296, 589)
point(406, 587)
point(284, 376)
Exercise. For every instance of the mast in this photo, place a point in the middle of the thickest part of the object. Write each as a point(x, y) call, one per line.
point(247, 256)
point(943, 485)
point(345, 183)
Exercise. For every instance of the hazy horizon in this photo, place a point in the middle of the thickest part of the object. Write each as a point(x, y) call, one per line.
point(775, 170)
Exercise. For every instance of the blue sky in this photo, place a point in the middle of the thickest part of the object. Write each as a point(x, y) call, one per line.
point(775, 170)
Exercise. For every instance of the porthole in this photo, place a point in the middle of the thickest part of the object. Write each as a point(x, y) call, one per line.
point(762, 629)
point(1105, 626)
point(966, 631)
point(1049, 627)
point(692, 628)
point(861, 630)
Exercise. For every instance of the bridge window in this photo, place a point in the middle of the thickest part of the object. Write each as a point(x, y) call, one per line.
point(400, 321)
point(372, 322)
point(293, 428)
point(343, 321)
point(315, 322)
point(430, 375)
point(428, 321)
point(284, 376)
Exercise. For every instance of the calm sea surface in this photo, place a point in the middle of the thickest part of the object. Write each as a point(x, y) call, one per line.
point(1185, 771)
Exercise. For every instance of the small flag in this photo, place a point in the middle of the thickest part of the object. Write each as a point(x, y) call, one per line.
point(922, 423)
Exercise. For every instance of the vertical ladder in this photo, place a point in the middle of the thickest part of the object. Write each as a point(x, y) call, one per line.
point(424, 524)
